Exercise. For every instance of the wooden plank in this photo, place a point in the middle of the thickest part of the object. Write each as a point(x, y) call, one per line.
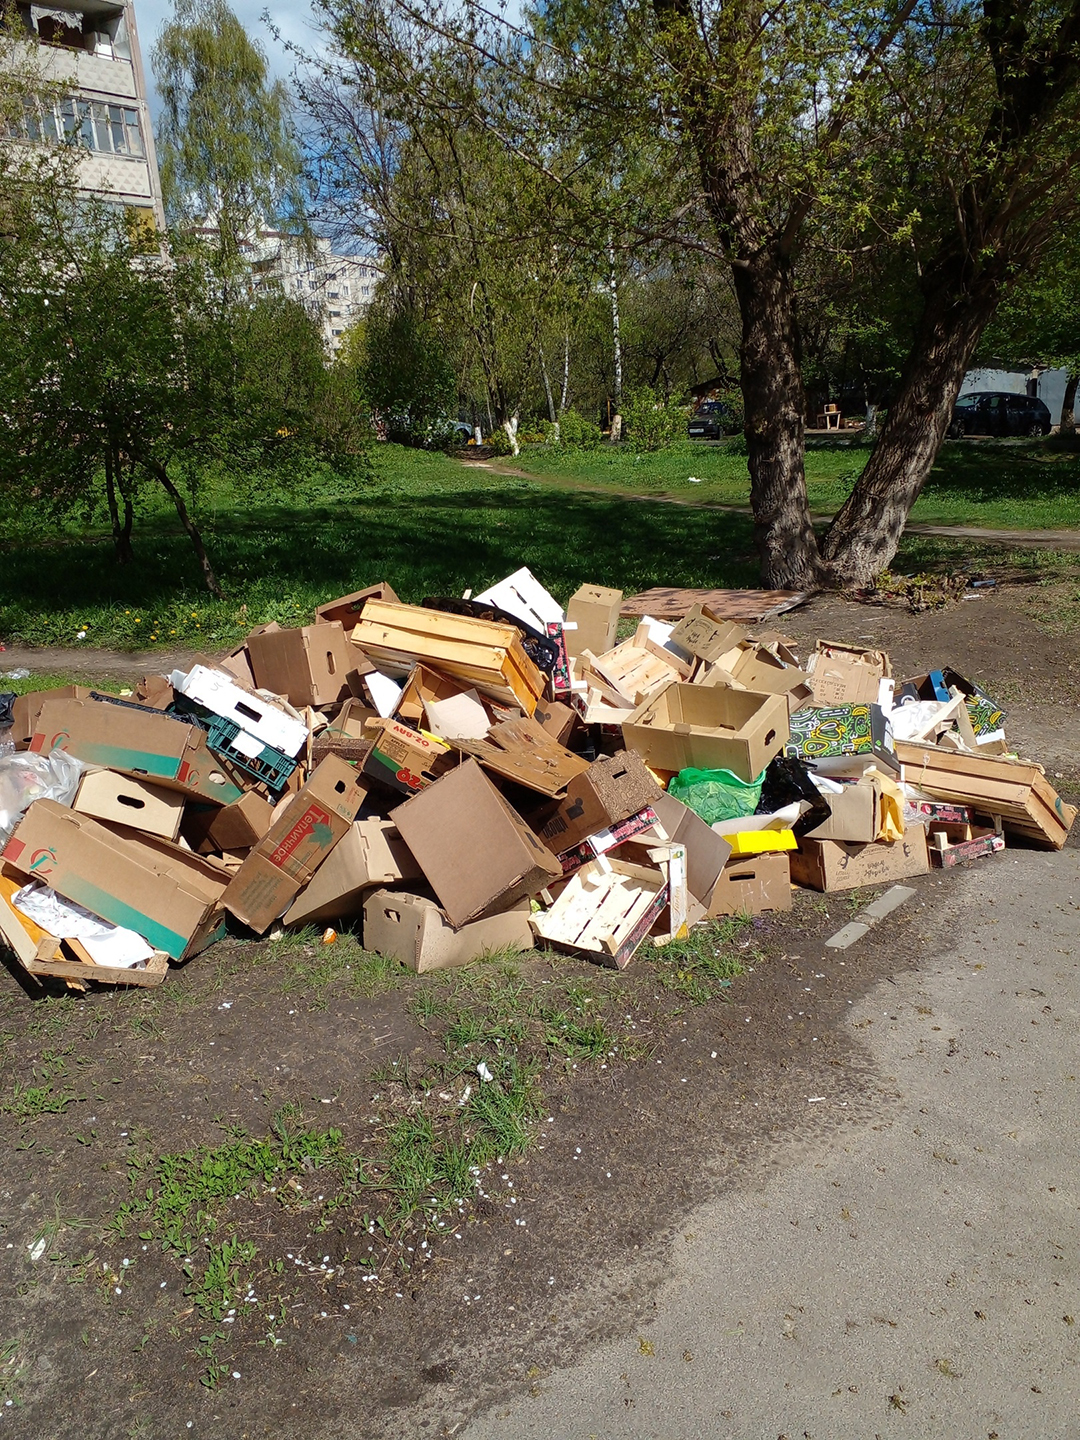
point(420, 621)
point(157, 968)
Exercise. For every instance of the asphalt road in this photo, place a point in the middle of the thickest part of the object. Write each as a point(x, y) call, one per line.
point(916, 1275)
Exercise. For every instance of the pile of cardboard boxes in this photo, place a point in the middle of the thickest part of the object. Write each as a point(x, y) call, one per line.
point(466, 776)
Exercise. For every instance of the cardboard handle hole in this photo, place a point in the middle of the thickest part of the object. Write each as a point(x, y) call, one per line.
point(394, 915)
point(131, 801)
point(246, 710)
point(340, 787)
point(330, 666)
point(770, 737)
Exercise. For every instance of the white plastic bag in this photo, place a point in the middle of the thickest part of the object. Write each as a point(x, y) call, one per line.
point(25, 778)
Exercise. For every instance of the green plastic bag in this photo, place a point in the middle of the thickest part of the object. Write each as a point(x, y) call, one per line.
point(716, 794)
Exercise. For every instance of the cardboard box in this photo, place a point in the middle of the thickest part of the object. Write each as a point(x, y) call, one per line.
point(709, 728)
point(350, 720)
point(834, 865)
point(235, 827)
point(402, 759)
point(821, 733)
point(165, 749)
point(605, 911)
point(27, 708)
point(372, 853)
point(846, 675)
point(612, 788)
point(856, 814)
point(706, 852)
point(475, 851)
point(522, 751)
point(312, 665)
point(415, 931)
point(1017, 791)
point(705, 636)
point(556, 718)
point(123, 800)
point(346, 608)
point(165, 894)
point(301, 837)
point(754, 667)
point(594, 610)
point(752, 884)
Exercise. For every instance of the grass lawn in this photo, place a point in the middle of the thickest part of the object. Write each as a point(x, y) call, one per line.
point(429, 525)
point(1016, 485)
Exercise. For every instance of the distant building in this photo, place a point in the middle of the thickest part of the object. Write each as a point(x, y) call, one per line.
point(93, 45)
point(336, 288)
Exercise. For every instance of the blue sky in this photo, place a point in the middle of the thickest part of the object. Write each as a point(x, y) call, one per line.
point(293, 21)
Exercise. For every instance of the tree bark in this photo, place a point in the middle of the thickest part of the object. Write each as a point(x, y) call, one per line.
point(162, 476)
point(616, 342)
point(775, 425)
point(552, 414)
point(1067, 423)
point(866, 533)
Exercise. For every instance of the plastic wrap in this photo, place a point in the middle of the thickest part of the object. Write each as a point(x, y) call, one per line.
point(25, 778)
point(716, 794)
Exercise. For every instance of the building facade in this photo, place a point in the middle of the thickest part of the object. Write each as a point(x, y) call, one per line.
point(92, 46)
point(337, 289)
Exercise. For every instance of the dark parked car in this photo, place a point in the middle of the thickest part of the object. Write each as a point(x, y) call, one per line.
point(707, 421)
point(998, 413)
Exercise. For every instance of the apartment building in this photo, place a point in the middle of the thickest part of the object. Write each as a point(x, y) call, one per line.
point(336, 288)
point(93, 47)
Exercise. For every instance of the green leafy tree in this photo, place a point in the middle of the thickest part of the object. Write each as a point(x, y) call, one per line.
point(407, 377)
point(226, 146)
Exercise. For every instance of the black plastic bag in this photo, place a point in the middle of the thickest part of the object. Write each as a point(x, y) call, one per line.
point(787, 779)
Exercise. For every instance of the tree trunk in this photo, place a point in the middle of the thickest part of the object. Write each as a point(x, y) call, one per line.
point(162, 475)
point(775, 425)
point(552, 413)
point(866, 533)
point(565, 393)
point(1067, 423)
point(616, 343)
point(510, 425)
point(870, 427)
point(121, 532)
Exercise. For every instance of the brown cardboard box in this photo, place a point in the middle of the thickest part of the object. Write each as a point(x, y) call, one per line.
point(846, 675)
point(612, 788)
point(311, 665)
point(475, 851)
point(705, 636)
point(556, 718)
point(123, 800)
point(751, 884)
point(167, 895)
point(235, 827)
point(522, 751)
point(706, 852)
point(28, 707)
point(594, 609)
point(346, 608)
point(753, 667)
point(144, 743)
point(856, 814)
point(237, 663)
point(1019, 792)
point(834, 865)
point(297, 843)
point(372, 853)
point(350, 720)
point(415, 931)
point(403, 759)
point(421, 686)
point(709, 727)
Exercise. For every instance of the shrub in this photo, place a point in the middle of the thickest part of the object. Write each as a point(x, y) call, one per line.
point(650, 422)
point(577, 433)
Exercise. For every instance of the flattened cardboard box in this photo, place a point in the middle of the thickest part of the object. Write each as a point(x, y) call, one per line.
point(371, 854)
point(297, 843)
point(833, 865)
point(123, 800)
point(751, 884)
point(611, 789)
point(1019, 792)
point(475, 851)
point(415, 931)
point(137, 742)
point(709, 727)
point(163, 893)
point(310, 665)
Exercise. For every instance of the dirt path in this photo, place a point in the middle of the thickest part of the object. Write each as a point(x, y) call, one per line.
point(1038, 539)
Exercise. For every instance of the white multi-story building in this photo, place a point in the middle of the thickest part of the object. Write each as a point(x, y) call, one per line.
point(93, 47)
point(337, 288)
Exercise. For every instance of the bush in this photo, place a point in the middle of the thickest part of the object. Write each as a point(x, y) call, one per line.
point(577, 433)
point(650, 422)
point(734, 415)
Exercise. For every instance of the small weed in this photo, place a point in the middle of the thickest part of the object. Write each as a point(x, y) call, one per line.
point(702, 963)
point(215, 1370)
point(218, 1287)
point(28, 1102)
point(428, 1004)
point(11, 1372)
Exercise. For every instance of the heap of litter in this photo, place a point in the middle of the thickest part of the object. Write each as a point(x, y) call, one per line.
point(483, 774)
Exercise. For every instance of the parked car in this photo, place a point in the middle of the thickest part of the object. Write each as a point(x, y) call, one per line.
point(995, 412)
point(707, 421)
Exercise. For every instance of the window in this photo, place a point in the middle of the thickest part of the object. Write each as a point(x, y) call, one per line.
point(108, 129)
